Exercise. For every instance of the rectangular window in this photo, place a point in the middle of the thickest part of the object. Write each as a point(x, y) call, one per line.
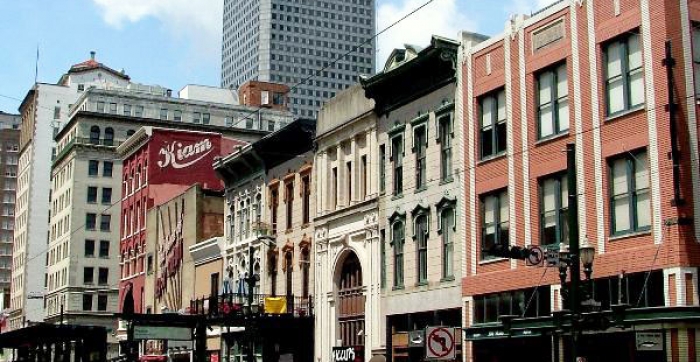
point(382, 256)
point(107, 168)
point(103, 276)
point(348, 182)
point(92, 194)
point(289, 199)
point(164, 114)
point(445, 138)
point(196, 117)
point(552, 102)
point(56, 112)
point(89, 248)
point(105, 222)
point(100, 107)
point(554, 203)
point(206, 117)
point(334, 189)
point(495, 226)
point(397, 242)
point(92, 167)
point(624, 76)
point(421, 230)
point(397, 160)
point(107, 195)
point(127, 110)
point(274, 204)
point(420, 142)
point(87, 302)
point(177, 116)
point(629, 193)
point(492, 135)
point(363, 177)
point(270, 126)
point(90, 221)
point(382, 168)
point(113, 108)
point(138, 111)
point(306, 202)
point(447, 224)
point(102, 302)
point(696, 57)
point(88, 275)
point(104, 248)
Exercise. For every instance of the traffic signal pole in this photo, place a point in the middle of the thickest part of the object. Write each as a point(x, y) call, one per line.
point(574, 261)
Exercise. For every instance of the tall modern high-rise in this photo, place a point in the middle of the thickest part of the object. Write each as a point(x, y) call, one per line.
point(9, 150)
point(289, 41)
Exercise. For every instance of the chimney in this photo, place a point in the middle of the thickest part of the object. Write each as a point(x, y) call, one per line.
point(92, 55)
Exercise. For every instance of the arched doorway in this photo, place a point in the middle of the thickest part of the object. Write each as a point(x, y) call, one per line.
point(351, 303)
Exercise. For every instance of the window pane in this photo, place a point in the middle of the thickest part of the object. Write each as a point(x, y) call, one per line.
point(614, 63)
point(643, 210)
point(486, 111)
point(546, 121)
point(635, 54)
point(636, 88)
point(696, 72)
point(501, 106)
point(622, 216)
point(619, 179)
point(564, 185)
point(545, 81)
point(504, 207)
point(562, 86)
point(641, 174)
point(501, 140)
point(489, 210)
point(696, 45)
point(563, 113)
point(616, 98)
point(549, 193)
point(487, 142)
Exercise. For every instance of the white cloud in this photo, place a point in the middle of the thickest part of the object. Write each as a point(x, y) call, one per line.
point(441, 17)
point(200, 22)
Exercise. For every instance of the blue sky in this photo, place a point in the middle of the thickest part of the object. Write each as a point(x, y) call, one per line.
point(176, 42)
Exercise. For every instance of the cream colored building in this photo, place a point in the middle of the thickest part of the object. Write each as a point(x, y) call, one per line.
point(347, 239)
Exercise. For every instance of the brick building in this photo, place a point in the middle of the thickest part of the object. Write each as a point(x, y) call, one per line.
point(589, 73)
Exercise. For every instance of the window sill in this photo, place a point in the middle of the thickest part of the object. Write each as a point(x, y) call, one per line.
point(492, 261)
point(422, 284)
point(628, 235)
point(552, 138)
point(447, 279)
point(624, 113)
point(288, 231)
point(397, 197)
point(398, 287)
point(446, 181)
point(419, 190)
point(491, 158)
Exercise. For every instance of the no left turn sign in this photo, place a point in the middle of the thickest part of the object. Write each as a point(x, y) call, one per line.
point(440, 343)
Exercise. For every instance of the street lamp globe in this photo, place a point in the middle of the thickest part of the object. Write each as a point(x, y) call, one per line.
point(587, 254)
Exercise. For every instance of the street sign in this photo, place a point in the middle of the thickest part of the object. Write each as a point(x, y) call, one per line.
point(416, 338)
point(552, 257)
point(536, 255)
point(650, 341)
point(162, 333)
point(440, 343)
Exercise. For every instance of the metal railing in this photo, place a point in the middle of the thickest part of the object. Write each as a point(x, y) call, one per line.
point(237, 304)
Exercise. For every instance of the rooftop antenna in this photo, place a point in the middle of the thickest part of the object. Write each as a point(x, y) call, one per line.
point(36, 64)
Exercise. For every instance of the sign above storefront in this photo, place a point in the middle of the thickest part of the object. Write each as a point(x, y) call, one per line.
point(650, 341)
point(162, 333)
point(347, 354)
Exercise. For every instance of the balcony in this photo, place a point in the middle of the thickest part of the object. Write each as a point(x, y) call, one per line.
point(236, 304)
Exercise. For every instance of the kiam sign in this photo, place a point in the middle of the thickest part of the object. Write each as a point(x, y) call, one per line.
point(178, 156)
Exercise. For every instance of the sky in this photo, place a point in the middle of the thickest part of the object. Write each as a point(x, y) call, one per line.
point(173, 43)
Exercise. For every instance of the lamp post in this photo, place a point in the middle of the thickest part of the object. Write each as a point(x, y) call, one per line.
point(252, 310)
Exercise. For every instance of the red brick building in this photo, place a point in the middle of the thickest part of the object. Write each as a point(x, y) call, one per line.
point(590, 73)
point(264, 94)
point(159, 164)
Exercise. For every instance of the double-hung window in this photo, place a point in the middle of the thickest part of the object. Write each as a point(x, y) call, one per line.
point(696, 57)
point(629, 193)
point(492, 133)
point(420, 143)
point(445, 138)
point(447, 224)
point(397, 236)
point(624, 76)
point(397, 163)
point(495, 222)
point(554, 204)
point(552, 102)
point(421, 236)
point(382, 168)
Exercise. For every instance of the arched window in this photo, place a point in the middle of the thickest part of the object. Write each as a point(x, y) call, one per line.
point(305, 263)
point(447, 224)
point(95, 135)
point(421, 237)
point(289, 270)
point(109, 136)
point(397, 241)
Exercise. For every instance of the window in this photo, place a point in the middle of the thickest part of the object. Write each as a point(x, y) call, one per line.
point(205, 118)
point(489, 307)
point(92, 167)
point(109, 136)
point(196, 117)
point(103, 276)
point(397, 243)
point(421, 236)
point(348, 180)
point(624, 76)
point(127, 110)
point(290, 272)
point(382, 256)
point(113, 108)
point(92, 194)
point(629, 193)
point(270, 126)
point(397, 159)
point(277, 98)
point(305, 264)
point(447, 225)
point(696, 57)
point(494, 230)
point(105, 221)
point(88, 275)
point(89, 248)
point(102, 302)
point(382, 168)
point(289, 200)
point(177, 116)
point(95, 135)
point(138, 111)
point(87, 301)
point(274, 204)
point(334, 189)
point(363, 177)
point(554, 203)
point(107, 195)
point(420, 142)
point(306, 202)
point(445, 138)
point(90, 221)
point(56, 112)
point(130, 133)
point(100, 107)
point(164, 114)
point(493, 124)
point(81, 87)
point(552, 102)
point(104, 248)
point(107, 169)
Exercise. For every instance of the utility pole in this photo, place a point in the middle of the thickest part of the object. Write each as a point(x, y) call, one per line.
point(672, 109)
point(574, 269)
point(251, 286)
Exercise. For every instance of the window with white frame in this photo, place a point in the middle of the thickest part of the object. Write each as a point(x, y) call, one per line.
point(492, 134)
point(630, 209)
point(554, 205)
point(495, 222)
point(420, 143)
point(421, 237)
point(397, 242)
point(624, 75)
point(552, 102)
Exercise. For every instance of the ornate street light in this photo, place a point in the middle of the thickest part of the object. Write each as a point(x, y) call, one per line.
point(587, 252)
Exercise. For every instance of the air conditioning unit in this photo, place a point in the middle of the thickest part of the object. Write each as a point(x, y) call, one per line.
point(416, 338)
